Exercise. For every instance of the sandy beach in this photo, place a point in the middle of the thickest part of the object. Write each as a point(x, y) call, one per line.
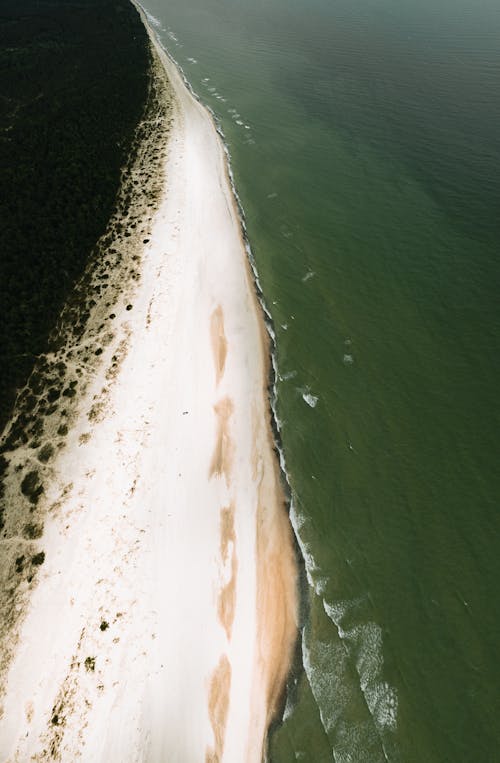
point(163, 618)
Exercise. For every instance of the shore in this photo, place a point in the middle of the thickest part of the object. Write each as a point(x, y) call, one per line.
point(164, 617)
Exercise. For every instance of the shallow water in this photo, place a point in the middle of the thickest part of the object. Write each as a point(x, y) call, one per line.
point(366, 150)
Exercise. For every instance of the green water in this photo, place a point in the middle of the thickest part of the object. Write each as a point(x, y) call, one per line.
point(368, 164)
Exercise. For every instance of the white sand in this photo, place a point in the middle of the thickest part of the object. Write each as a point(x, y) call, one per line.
point(172, 528)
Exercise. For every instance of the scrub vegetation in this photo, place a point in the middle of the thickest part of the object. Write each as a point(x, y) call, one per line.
point(83, 126)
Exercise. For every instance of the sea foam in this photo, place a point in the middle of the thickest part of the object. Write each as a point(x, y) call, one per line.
point(154, 21)
point(310, 274)
point(364, 645)
point(309, 398)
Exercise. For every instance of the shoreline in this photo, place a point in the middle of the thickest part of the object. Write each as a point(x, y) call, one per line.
point(165, 510)
point(280, 522)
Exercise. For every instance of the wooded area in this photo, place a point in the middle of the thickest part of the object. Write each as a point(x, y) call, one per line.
point(74, 78)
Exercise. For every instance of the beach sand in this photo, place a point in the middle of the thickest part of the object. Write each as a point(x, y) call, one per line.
point(163, 618)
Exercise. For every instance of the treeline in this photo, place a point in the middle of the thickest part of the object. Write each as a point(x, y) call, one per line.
point(74, 78)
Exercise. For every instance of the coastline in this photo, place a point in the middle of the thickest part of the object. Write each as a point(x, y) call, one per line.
point(169, 518)
point(276, 630)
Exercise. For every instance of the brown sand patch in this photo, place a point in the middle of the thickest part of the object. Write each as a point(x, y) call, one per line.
point(223, 452)
point(218, 706)
point(227, 533)
point(276, 600)
point(276, 595)
point(256, 456)
point(219, 341)
point(226, 604)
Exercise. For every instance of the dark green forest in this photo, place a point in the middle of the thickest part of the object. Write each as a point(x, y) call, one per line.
point(74, 78)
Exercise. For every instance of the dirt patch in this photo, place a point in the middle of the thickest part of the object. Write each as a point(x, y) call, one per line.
point(223, 451)
point(219, 342)
point(218, 706)
point(227, 534)
point(226, 603)
point(276, 600)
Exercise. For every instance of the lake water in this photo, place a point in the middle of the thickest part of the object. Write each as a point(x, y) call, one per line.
point(365, 139)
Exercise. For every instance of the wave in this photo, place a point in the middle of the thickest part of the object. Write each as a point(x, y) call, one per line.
point(364, 645)
point(154, 21)
point(328, 666)
point(309, 398)
point(310, 274)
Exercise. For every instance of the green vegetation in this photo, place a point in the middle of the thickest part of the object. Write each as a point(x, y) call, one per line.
point(33, 530)
point(74, 78)
point(90, 664)
point(31, 487)
point(38, 559)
